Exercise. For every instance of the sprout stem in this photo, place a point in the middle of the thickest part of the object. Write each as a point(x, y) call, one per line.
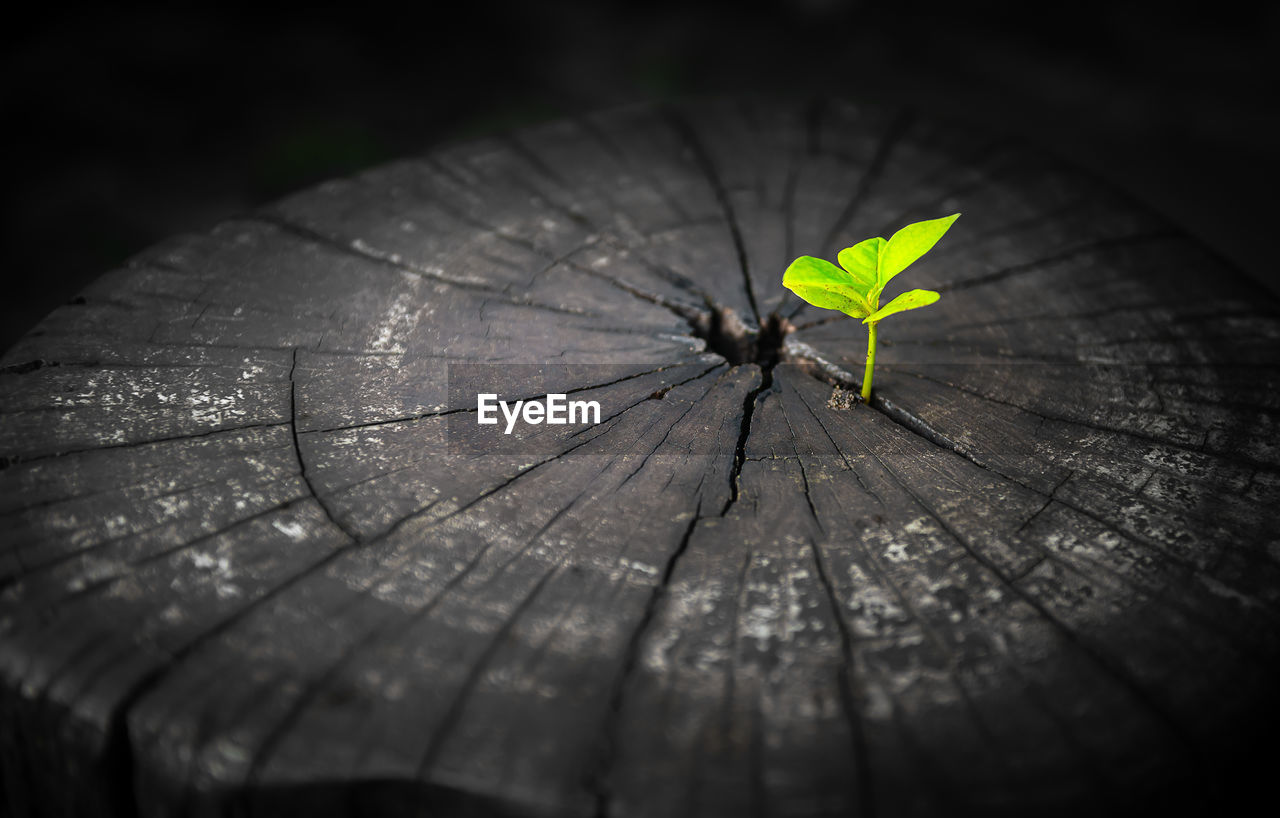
point(871, 362)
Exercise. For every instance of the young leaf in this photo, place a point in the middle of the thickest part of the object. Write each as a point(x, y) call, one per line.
point(861, 261)
point(868, 267)
point(823, 284)
point(909, 244)
point(910, 300)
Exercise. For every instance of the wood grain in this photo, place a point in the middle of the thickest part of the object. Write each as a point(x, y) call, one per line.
point(252, 563)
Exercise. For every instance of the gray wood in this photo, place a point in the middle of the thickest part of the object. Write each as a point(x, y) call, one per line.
point(251, 562)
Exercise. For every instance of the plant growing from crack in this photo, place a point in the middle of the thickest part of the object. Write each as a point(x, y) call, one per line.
point(867, 267)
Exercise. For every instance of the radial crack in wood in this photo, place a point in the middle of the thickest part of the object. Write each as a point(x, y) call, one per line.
point(258, 555)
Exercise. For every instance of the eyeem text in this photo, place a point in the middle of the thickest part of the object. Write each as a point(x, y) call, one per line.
point(555, 409)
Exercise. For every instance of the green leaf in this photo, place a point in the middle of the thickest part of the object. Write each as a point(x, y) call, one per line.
point(909, 244)
point(861, 261)
point(825, 285)
point(910, 300)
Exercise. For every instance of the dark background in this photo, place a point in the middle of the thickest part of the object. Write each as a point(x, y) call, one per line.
point(128, 126)
point(125, 127)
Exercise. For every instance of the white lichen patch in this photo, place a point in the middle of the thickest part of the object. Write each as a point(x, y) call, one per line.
point(115, 526)
point(232, 751)
point(920, 525)
point(251, 371)
point(112, 438)
point(1224, 591)
point(635, 565)
point(1179, 462)
point(397, 323)
point(209, 409)
point(872, 611)
point(685, 604)
point(760, 623)
point(293, 530)
point(205, 562)
point(173, 506)
point(896, 552)
point(172, 614)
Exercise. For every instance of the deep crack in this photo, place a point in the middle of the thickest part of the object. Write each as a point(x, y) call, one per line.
point(303, 472)
point(730, 337)
point(598, 783)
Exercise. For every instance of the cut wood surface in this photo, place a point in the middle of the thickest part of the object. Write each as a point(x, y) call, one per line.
point(255, 559)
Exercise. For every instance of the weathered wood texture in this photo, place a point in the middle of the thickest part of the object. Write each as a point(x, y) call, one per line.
point(246, 569)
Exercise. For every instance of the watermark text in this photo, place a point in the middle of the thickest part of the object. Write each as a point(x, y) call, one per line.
point(555, 409)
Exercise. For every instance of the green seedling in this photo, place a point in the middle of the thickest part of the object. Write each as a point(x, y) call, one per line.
point(868, 266)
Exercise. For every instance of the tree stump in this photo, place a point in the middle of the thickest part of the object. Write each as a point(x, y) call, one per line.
point(259, 558)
